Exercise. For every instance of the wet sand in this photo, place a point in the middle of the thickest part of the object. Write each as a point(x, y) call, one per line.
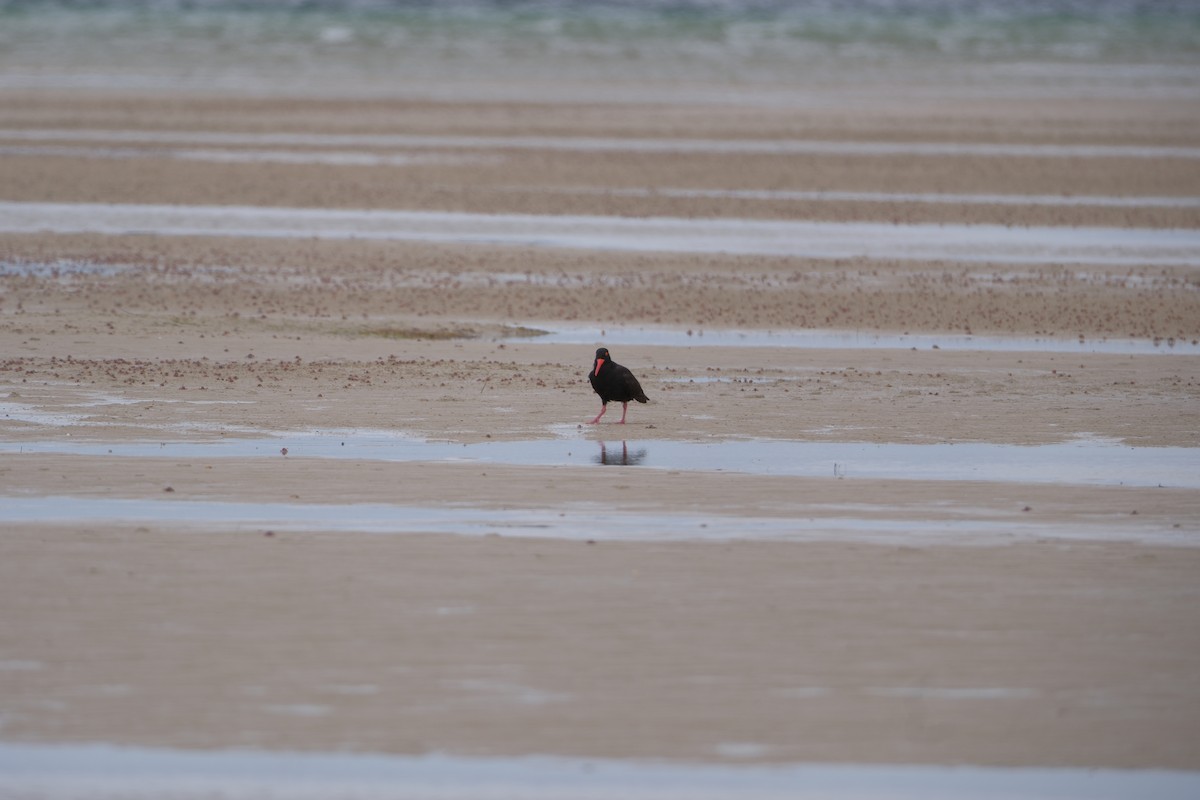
point(1014, 649)
point(500, 646)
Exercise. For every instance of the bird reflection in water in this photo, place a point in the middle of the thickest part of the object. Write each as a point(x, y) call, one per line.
point(623, 457)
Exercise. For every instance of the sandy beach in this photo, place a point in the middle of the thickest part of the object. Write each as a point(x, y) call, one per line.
point(236, 516)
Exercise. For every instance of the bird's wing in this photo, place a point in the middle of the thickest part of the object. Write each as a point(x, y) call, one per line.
point(631, 385)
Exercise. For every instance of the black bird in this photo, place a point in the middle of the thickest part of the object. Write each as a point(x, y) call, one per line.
point(614, 382)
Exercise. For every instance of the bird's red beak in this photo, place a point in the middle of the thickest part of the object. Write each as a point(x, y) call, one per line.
point(599, 364)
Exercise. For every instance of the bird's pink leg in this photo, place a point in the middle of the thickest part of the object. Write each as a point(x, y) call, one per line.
point(624, 410)
point(603, 408)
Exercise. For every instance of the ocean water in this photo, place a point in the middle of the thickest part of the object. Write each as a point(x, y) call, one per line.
point(398, 47)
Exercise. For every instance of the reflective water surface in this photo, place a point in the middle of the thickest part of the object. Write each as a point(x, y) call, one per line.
point(596, 521)
point(76, 772)
point(795, 238)
point(1081, 462)
point(816, 339)
point(620, 456)
point(275, 139)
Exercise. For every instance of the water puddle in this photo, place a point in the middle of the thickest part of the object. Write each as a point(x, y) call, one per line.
point(92, 771)
point(958, 693)
point(335, 158)
point(1094, 462)
point(801, 239)
point(592, 144)
point(59, 269)
point(554, 333)
point(925, 198)
point(912, 527)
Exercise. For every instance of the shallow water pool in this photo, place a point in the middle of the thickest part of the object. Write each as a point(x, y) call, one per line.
point(795, 238)
point(816, 339)
point(932, 525)
point(84, 772)
point(1080, 462)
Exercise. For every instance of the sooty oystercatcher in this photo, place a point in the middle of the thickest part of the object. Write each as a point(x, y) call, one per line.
point(614, 382)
